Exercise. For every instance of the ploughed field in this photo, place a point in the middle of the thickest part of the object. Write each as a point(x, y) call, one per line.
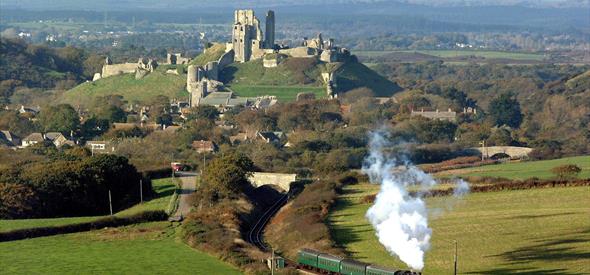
point(536, 231)
point(149, 248)
point(523, 170)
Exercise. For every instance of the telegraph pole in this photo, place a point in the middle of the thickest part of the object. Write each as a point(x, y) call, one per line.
point(141, 191)
point(455, 258)
point(272, 263)
point(110, 202)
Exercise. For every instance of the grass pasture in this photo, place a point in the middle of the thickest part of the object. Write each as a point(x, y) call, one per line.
point(522, 170)
point(164, 189)
point(149, 248)
point(283, 93)
point(537, 231)
point(461, 53)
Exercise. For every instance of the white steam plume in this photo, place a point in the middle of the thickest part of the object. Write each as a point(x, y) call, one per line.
point(400, 219)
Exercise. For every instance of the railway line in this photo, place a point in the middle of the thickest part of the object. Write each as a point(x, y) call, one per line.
point(256, 232)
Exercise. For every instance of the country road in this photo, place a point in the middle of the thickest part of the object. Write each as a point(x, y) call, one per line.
point(188, 186)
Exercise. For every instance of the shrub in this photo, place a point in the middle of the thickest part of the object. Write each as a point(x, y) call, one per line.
point(567, 171)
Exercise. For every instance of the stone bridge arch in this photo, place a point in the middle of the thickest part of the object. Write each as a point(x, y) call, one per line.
point(281, 180)
point(512, 151)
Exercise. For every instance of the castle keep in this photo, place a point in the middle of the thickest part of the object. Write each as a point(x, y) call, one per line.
point(247, 40)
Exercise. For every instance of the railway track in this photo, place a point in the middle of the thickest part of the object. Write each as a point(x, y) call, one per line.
point(255, 233)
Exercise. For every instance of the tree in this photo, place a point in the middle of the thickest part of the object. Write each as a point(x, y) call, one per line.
point(60, 118)
point(505, 110)
point(204, 112)
point(567, 171)
point(228, 174)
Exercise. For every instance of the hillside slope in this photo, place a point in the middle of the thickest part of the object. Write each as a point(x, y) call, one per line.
point(154, 84)
point(302, 72)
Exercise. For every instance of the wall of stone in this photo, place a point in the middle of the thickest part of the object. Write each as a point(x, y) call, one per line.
point(280, 179)
point(300, 52)
point(226, 59)
point(117, 69)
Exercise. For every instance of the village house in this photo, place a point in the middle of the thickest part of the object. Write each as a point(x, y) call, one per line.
point(448, 115)
point(270, 137)
point(204, 146)
point(33, 139)
point(100, 146)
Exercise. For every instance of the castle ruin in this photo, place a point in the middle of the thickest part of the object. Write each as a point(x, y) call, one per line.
point(248, 42)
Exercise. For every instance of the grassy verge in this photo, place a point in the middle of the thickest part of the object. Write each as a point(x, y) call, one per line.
point(139, 249)
point(522, 170)
point(164, 189)
point(537, 231)
point(283, 93)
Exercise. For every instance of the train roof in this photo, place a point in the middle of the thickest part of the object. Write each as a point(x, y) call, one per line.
point(310, 251)
point(329, 257)
point(354, 262)
point(381, 268)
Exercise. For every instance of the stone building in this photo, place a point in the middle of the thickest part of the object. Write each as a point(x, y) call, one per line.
point(448, 115)
point(247, 40)
point(176, 58)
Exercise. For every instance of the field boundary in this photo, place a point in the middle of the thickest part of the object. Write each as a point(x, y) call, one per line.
point(112, 221)
point(174, 199)
point(500, 186)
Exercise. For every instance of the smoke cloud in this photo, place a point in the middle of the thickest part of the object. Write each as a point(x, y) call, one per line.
point(399, 218)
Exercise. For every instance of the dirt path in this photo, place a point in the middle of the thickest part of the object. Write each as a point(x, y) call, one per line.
point(189, 181)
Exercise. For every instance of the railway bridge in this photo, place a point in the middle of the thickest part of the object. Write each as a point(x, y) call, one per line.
point(282, 180)
point(512, 151)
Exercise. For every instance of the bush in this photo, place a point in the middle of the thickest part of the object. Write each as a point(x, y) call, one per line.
point(567, 171)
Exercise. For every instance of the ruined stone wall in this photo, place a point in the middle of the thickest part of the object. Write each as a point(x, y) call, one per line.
point(226, 59)
point(117, 69)
point(300, 52)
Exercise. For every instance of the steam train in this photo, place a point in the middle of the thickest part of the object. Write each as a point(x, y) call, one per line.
point(325, 263)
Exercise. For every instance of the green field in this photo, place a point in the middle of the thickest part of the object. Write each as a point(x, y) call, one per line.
point(522, 170)
point(538, 231)
point(461, 53)
point(139, 249)
point(283, 93)
point(164, 189)
point(154, 84)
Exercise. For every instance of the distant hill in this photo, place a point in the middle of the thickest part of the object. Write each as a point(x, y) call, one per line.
point(37, 66)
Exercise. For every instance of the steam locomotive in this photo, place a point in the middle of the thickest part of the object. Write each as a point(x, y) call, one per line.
point(325, 263)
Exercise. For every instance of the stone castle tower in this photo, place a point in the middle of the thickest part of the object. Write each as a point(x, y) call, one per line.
point(269, 34)
point(247, 39)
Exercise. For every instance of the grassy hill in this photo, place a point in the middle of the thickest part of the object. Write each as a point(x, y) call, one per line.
point(537, 231)
point(305, 72)
point(249, 79)
point(212, 53)
point(523, 170)
point(154, 84)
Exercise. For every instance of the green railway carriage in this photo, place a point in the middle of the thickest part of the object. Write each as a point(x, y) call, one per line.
point(308, 257)
point(329, 263)
point(325, 263)
point(377, 270)
point(352, 267)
